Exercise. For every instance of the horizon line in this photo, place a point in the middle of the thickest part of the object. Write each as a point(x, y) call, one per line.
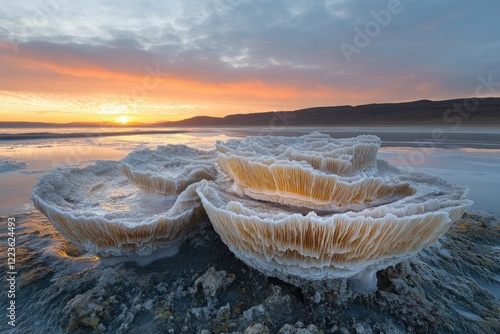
point(137, 123)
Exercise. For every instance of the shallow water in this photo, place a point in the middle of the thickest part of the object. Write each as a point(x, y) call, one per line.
point(477, 169)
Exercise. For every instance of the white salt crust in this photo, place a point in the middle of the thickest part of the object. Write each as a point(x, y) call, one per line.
point(342, 157)
point(313, 171)
point(307, 207)
point(169, 169)
point(286, 243)
point(97, 209)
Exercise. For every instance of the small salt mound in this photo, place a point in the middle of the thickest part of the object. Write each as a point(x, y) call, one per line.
point(287, 243)
point(10, 166)
point(169, 169)
point(334, 156)
point(99, 210)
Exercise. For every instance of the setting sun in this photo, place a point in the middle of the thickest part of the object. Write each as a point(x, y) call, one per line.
point(122, 119)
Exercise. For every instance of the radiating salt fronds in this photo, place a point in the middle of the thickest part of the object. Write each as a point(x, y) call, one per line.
point(308, 207)
point(338, 156)
point(313, 171)
point(286, 243)
point(98, 209)
point(169, 169)
point(298, 184)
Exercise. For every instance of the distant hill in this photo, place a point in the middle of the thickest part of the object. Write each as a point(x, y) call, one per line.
point(417, 113)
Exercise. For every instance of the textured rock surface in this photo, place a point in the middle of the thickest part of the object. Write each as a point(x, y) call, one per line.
point(213, 280)
point(451, 287)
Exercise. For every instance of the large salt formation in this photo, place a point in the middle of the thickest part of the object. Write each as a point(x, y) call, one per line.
point(392, 215)
point(169, 169)
point(98, 209)
point(307, 207)
point(313, 171)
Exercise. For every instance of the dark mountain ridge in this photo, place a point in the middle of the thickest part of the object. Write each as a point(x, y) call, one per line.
point(457, 112)
point(474, 112)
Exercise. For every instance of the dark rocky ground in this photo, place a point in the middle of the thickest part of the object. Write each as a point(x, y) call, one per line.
point(452, 287)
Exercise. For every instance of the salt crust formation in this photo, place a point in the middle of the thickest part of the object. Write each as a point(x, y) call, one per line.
point(313, 171)
point(342, 157)
point(169, 169)
point(287, 242)
point(97, 209)
point(305, 207)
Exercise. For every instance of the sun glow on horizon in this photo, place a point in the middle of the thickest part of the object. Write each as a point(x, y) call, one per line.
point(122, 120)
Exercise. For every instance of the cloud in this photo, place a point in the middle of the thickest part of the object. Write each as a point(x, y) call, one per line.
point(237, 51)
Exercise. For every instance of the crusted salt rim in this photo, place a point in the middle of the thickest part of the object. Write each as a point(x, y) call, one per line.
point(286, 243)
point(99, 210)
point(169, 169)
point(298, 184)
point(344, 156)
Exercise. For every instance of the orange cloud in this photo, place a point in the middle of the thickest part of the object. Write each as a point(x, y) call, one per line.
point(66, 75)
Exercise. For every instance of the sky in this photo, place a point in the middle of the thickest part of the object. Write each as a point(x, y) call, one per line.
point(148, 61)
